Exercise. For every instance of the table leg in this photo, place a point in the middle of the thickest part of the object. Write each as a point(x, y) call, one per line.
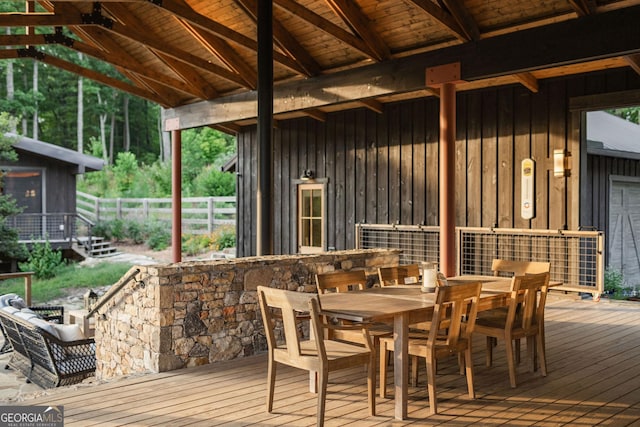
point(401, 364)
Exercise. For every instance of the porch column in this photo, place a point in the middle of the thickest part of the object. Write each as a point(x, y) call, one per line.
point(264, 239)
point(447, 179)
point(445, 77)
point(176, 195)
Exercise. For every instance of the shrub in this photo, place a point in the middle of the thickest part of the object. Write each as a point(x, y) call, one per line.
point(224, 237)
point(159, 237)
point(613, 282)
point(193, 244)
point(102, 229)
point(43, 260)
point(135, 232)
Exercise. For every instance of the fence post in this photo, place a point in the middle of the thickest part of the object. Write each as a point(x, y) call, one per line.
point(145, 208)
point(210, 216)
point(118, 208)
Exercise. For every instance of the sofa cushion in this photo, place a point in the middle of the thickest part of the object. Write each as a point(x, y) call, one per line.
point(9, 309)
point(70, 332)
point(26, 314)
point(46, 326)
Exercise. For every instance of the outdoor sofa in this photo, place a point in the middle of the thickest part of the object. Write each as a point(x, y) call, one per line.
point(47, 352)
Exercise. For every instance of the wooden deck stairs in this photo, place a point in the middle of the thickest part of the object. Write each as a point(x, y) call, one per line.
point(97, 247)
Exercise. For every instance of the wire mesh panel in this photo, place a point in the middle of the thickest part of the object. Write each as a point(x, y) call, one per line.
point(418, 243)
point(576, 257)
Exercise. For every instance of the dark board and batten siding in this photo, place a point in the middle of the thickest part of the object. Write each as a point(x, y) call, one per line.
point(383, 168)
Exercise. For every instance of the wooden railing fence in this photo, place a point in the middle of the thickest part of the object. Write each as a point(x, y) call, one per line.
point(200, 215)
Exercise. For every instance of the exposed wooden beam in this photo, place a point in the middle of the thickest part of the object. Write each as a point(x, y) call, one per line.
point(583, 7)
point(146, 39)
point(442, 17)
point(328, 27)
point(194, 81)
point(318, 115)
point(225, 53)
point(528, 81)
point(39, 20)
point(228, 128)
point(634, 61)
point(350, 13)
point(600, 36)
point(463, 18)
point(90, 74)
point(285, 41)
point(372, 105)
point(180, 9)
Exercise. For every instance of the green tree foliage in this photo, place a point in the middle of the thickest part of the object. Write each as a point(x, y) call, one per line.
point(631, 114)
point(203, 152)
point(9, 247)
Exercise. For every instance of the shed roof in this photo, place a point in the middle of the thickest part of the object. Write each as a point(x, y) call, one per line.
point(611, 135)
point(83, 162)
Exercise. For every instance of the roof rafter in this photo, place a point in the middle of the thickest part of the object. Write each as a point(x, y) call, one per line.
point(193, 80)
point(86, 72)
point(360, 24)
point(284, 40)
point(442, 17)
point(583, 7)
point(327, 26)
point(181, 10)
point(462, 16)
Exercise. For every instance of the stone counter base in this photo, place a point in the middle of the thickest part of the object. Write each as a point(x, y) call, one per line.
point(172, 316)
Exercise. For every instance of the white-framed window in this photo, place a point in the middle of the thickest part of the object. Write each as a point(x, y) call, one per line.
point(311, 218)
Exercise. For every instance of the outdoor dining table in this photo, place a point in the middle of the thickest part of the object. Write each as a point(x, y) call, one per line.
point(404, 305)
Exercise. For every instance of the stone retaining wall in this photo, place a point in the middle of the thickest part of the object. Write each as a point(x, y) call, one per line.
point(172, 316)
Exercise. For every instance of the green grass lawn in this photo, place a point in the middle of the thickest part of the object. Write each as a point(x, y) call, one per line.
point(70, 276)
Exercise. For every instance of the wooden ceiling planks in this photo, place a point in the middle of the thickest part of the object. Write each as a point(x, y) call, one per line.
point(180, 52)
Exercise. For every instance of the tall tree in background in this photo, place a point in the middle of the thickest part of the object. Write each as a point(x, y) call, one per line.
point(10, 249)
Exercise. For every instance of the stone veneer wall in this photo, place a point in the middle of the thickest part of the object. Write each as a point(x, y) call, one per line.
point(172, 316)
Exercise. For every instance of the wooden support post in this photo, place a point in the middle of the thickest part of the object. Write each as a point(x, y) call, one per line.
point(264, 240)
point(176, 195)
point(445, 78)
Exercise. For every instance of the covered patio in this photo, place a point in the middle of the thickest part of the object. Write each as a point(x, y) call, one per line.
point(593, 379)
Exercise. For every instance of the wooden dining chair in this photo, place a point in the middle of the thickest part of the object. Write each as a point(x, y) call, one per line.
point(457, 305)
point(346, 281)
point(399, 275)
point(518, 268)
point(524, 318)
point(316, 354)
point(510, 268)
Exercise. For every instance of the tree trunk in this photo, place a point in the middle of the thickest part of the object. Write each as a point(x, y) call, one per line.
point(112, 137)
point(126, 135)
point(35, 107)
point(103, 138)
point(80, 119)
point(10, 87)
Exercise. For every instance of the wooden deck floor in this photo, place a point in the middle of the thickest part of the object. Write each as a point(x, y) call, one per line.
point(594, 378)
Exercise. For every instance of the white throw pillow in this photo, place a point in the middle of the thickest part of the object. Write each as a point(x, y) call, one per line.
point(4, 299)
point(25, 314)
point(69, 332)
point(46, 326)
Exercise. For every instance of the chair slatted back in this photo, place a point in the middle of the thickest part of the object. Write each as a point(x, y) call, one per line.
point(390, 276)
point(341, 281)
point(455, 310)
point(526, 304)
point(519, 268)
point(289, 304)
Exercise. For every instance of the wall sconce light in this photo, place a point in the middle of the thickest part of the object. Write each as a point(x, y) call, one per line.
point(561, 166)
point(307, 175)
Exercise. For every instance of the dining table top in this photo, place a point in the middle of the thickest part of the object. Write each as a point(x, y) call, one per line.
point(383, 303)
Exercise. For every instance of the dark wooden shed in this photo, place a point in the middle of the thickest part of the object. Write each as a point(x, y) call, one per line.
point(43, 181)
